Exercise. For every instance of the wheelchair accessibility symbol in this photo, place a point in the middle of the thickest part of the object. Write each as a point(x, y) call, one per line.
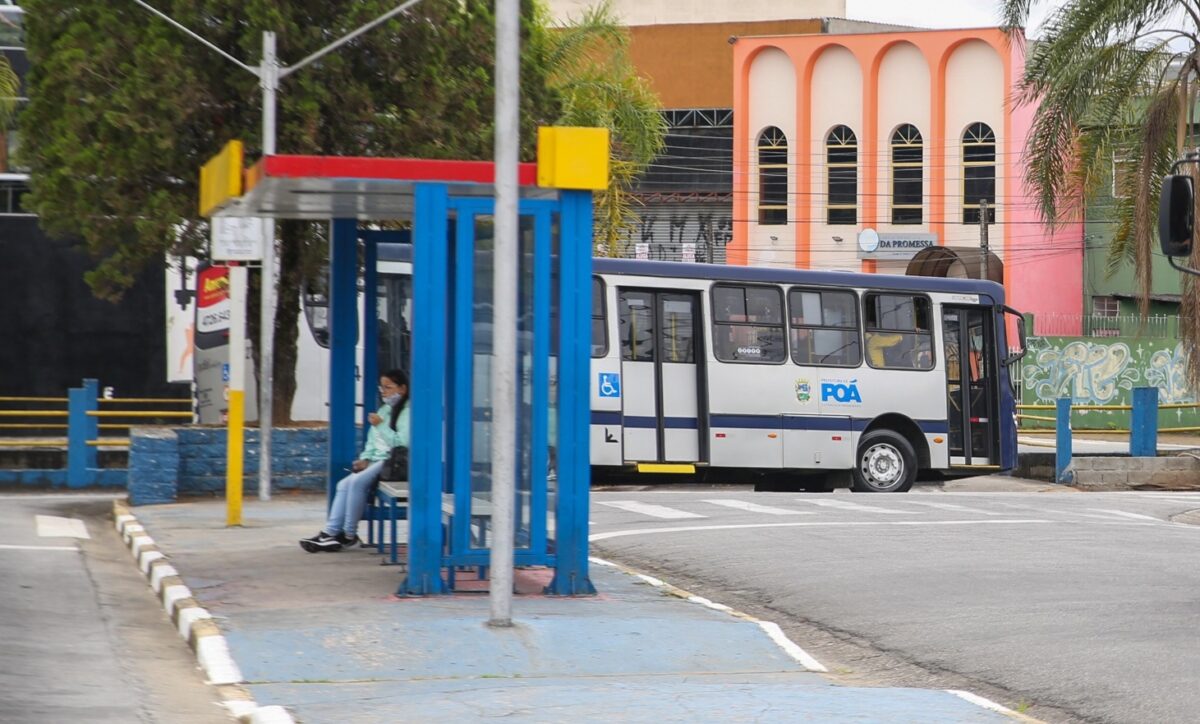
point(610, 384)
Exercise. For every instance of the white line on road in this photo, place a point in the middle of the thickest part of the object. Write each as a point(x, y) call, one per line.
point(950, 506)
point(821, 524)
point(654, 511)
point(63, 496)
point(756, 508)
point(36, 548)
point(1123, 514)
point(844, 505)
point(53, 526)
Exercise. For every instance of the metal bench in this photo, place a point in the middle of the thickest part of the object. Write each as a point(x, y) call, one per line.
point(388, 504)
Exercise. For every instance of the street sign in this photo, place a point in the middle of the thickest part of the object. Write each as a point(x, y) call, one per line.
point(237, 239)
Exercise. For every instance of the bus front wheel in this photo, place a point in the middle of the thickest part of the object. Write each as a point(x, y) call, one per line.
point(886, 463)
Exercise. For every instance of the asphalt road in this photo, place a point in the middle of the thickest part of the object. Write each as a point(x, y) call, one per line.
point(1070, 607)
point(82, 637)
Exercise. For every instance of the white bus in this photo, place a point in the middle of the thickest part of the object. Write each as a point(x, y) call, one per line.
point(780, 377)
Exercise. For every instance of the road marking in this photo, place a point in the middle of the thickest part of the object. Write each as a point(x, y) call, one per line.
point(951, 506)
point(654, 511)
point(844, 505)
point(63, 496)
point(756, 508)
point(1123, 514)
point(36, 548)
point(53, 526)
point(814, 524)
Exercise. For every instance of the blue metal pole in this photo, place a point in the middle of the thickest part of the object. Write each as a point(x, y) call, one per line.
point(431, 228)
point(574, 396)
point(1143, 432)
point(343, 336)
point(1062, 457)
point(81, 427)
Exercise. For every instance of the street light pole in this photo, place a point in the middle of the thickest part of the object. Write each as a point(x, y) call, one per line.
point(504, 310)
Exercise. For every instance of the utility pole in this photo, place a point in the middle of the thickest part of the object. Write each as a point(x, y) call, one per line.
point(504, 310)
point(983, 234)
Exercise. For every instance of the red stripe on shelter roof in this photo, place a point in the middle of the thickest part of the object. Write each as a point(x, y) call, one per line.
point(396, 169)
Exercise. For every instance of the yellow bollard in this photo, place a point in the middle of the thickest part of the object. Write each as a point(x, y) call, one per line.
point(234, 451)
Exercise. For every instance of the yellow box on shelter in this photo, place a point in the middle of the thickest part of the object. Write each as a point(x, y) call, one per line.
point(221, 178)
point(572, 158)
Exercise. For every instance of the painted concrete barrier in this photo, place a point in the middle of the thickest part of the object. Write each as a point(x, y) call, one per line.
point(1114, 472)
point(164, 464)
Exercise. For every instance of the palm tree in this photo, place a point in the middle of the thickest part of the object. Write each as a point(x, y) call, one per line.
point(1113, 79)
point(598, 86)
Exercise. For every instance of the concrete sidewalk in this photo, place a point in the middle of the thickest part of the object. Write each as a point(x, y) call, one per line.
point(320, 638)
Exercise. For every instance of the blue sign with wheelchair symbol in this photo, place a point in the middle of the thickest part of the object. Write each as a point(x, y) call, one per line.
point(225, 372)
point(610, 384)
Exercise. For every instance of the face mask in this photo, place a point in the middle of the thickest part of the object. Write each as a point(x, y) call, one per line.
point(393, 400)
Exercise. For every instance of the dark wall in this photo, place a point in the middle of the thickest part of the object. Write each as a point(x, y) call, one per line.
point(56, 333)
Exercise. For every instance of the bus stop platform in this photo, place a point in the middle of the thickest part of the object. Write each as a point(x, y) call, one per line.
point(323, 637)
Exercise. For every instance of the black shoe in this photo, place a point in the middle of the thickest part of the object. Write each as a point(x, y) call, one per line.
point(321, 542)
point(348, 541)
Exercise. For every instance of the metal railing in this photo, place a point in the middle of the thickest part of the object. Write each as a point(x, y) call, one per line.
point(1159, 326)
point(24, 419)
point(1105, 408)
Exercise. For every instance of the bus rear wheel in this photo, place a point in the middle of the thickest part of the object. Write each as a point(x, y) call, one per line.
point(886, 463)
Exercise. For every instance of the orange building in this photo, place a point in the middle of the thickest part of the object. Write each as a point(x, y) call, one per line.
point(855, 151)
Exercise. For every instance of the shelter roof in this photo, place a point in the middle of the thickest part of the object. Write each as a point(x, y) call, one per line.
point(326, 187)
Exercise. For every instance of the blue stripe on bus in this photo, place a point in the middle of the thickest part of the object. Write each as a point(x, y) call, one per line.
point(758, 422)
point(606, 417)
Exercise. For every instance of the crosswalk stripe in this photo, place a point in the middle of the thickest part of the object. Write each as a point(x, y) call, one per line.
point(951, 506)
point(1123, 514)
point(756, 508)
point(654, 511)
point(53, 526)
point(844, 505)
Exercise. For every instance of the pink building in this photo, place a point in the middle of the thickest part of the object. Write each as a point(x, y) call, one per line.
point(856, 151)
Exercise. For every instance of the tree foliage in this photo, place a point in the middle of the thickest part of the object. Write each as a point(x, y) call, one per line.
point(1113, 79)
point(125, 108)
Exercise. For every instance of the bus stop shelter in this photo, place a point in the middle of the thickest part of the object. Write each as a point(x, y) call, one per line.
point(447, 208)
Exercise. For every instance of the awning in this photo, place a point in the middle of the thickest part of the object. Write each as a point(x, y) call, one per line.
point(955, 262)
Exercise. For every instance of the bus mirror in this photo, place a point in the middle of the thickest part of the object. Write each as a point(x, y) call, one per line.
point(1176, 215)
point(1016, 355)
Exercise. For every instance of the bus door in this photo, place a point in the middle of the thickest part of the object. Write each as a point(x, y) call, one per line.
point(660, 376)
point(970, 353)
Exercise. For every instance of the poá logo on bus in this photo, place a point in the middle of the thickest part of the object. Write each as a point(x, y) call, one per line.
point(841, 391)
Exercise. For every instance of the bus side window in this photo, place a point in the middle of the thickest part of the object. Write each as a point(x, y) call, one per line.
point(636, 323)
point(824, 327)
point(898, 331)
point(748, 324)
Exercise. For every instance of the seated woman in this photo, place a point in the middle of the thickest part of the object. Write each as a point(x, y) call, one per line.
point(389, 428)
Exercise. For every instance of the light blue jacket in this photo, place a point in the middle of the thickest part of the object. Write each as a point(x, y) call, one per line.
point(381, 438)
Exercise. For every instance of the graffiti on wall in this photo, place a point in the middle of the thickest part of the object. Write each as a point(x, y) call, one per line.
point(691, 232)
point(1097, 372)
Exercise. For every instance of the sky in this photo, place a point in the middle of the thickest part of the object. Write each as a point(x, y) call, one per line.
point(942, 13)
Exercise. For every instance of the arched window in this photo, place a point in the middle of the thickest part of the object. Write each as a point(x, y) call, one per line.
point(979, 172)
point(841, 156)
point(772, 177)
point(907, 175)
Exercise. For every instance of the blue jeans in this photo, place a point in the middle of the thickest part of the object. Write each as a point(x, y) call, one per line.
point(350, 500)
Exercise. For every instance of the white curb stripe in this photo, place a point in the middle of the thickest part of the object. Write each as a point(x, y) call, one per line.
point(218, 665)
point(789, 647)
point(657, 583)
point(146, 558)
point(978, 700)
point(189, 616)
point(159, 573)
point(271, 715)
point(710, 604)
point(4, 547)
point(138, 543)
point(174, 594)
point(122, 520)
